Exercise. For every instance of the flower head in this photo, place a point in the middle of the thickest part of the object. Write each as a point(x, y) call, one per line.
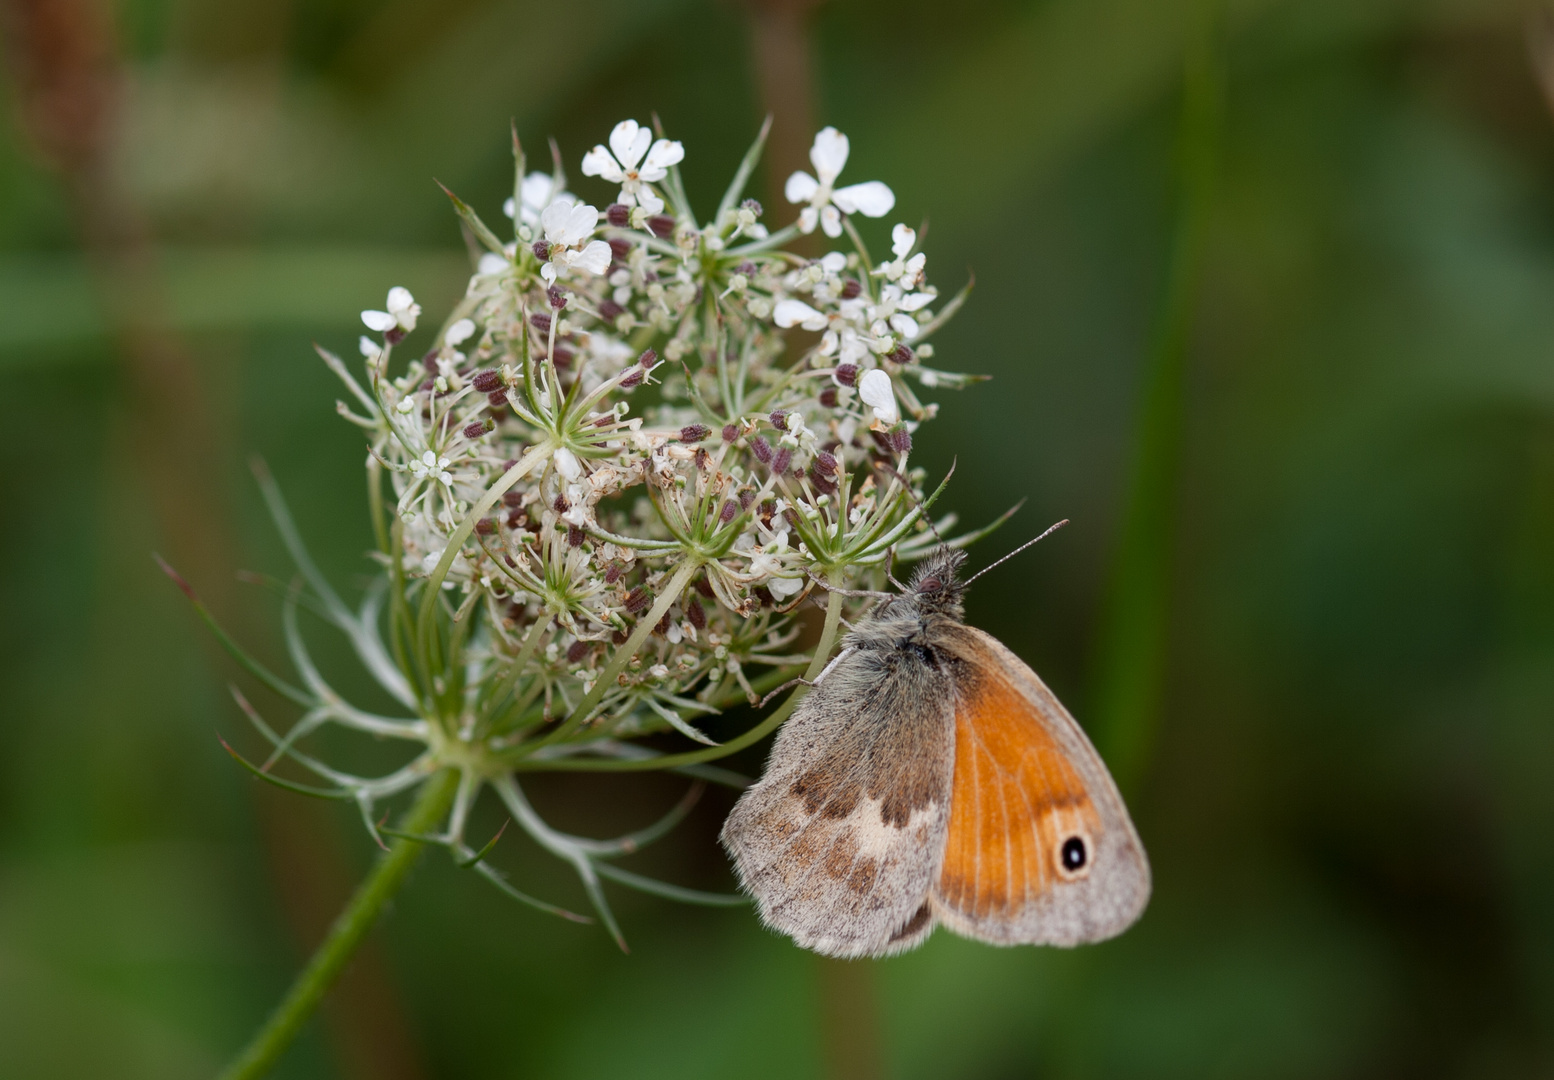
point(401, 314)
point(629, 142)
point(827, 203)
point(568, 227)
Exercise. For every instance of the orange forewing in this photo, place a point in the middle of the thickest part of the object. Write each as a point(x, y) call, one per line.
point(1015, 797)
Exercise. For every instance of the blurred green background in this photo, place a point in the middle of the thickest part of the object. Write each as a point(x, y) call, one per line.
point(1267, 292)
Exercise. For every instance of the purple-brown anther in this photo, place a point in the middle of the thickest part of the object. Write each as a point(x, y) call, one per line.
point(730, 432)
point(618, 214)
point(620, 247)
point(560, 504)
point(660, 224)
point(827, 397)
point(779, 419)
point(691, 433)
point(512, 499)
point(542, 250)
point(729, 512)
point(576, 651)
point(752, 206)
point(514, 519)
point(761, 449)
point(612, 573)
point(478, 428)
point(395, 336)
point(563, 357)
point(781, 462)
point(900, 439)
point(901, 355)
point(429, 362)
point(556, 297)
point(609, 310)
point(851, 289)
point(847, 374)
point(487, 380)
point(746, 497)
point(638, 599)
point(747, 268)
point(574, 536)
point(703, 586)
point(648, 358)
point(695, 614)
point(633, 378)
point(540, 320)
point(497, 398)
point(485, 526)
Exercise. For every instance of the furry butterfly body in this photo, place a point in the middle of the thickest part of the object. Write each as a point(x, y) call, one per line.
point(930, 777)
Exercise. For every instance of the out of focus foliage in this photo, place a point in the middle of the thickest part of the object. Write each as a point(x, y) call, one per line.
point(1348, 804)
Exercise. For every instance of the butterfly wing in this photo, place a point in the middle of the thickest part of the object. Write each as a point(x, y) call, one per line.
point(1039, 848)
point(840, 840)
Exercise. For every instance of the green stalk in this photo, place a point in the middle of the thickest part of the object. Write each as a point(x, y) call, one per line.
point(1130, 673)
point(350, 927)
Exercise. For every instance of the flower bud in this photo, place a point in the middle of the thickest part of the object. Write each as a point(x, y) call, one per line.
point(542, 250)
point(479, 428)
point(609, 310)
point(851, 289)
point(691, 433)
point(497, 398)
point(638, 599)
point(486, 381)
point(761, 449)
point(730, 432)
point(847, 374)
point(618, 215)
point(729, 512)
point(781, 462)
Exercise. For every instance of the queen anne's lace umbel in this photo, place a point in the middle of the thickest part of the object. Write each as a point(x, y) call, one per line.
point(632, 454)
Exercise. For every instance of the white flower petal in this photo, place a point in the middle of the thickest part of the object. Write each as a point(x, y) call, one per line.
point(598, 162)
point(790, 312)
point(554, 219)
point(399, 299)
point(567, 464)
point(901, 240)
point(630, 141)
point(581, 222)
point(800, 187)
point(369, 348)
point(537, 190)
point(916, 301)
point(877, 392)
point(460, 332)
point(380, 321)
point(663, 155)
point(595, 258)
point(830, 221)
point(829, 154)
point(492, 263)
point(809, 217)
point(872, 199)
point(904, 325)
point(509, 208)
point(548, 272)
point(834, 262)
point(649, 201)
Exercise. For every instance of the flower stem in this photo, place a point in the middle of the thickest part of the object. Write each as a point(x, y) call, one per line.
point(350, 927)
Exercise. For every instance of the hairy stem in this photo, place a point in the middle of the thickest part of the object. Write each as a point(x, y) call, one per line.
point(349, 928)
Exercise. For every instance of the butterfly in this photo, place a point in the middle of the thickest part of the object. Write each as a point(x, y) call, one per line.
point(929, 778)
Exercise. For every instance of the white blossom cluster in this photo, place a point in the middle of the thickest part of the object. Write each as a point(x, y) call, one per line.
point(630, 457)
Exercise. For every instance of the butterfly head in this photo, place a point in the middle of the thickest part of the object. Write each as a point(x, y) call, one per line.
point(935, 585)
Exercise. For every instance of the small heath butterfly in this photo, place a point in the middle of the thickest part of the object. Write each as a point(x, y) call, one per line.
point(931, 777)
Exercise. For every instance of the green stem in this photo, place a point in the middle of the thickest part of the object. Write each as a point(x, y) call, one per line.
point(674, 761)
point(1130, 673)
point(345, 935)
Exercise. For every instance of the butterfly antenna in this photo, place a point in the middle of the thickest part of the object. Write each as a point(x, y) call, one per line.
point(1017, 550)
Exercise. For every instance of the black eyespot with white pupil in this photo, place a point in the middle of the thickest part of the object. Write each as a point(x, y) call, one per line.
point(1075, 854)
